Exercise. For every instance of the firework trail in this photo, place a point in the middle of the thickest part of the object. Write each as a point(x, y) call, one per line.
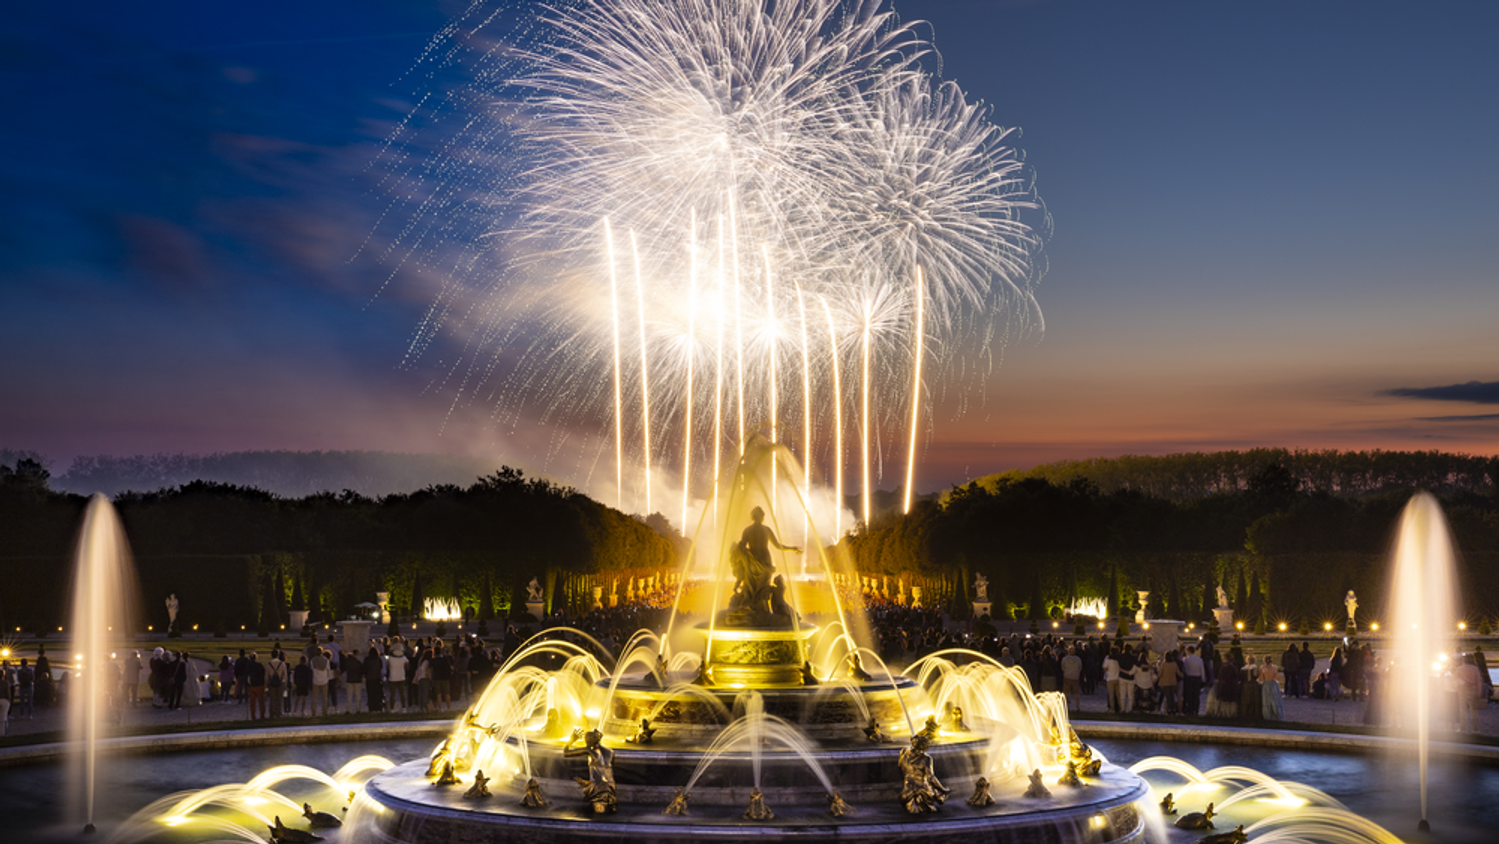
point(760, 158)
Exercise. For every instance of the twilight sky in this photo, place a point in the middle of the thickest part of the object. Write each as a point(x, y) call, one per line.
point(1274, 225)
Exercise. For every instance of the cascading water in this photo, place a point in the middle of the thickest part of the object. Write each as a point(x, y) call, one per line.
point(1422, 598)
point(103, 590)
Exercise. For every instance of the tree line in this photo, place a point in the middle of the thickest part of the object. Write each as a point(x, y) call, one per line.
point(240, 556)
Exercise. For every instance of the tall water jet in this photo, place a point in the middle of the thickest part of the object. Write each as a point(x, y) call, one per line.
point(103, 591)
point(1421, 607)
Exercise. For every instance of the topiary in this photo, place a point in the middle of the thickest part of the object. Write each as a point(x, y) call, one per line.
point(442, 629)
point(1484, 629)
point(1259, 627)
point(1303, 628)
point(1122, 631)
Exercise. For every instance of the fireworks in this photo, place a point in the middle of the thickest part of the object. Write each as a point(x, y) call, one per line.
point(740, 169)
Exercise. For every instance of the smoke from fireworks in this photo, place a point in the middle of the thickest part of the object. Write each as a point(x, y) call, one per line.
point(687, 221)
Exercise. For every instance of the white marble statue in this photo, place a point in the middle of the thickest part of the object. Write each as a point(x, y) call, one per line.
point(981, 587)
point(1351, 602)
point(533, 591)
point(172, 610)
point(1222, 597)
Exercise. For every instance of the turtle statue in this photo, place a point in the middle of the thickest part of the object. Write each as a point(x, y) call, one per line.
point(1233, 836)
point(286, 835)
point(480, 787)
point(1197, 820)
point(533, 798)
point(645, 733)
point(678, 804)
point(1037, 788)
point(320, 820)
point(837, 807)
point(447, 777)
point(981, 796)
point(1070, 778)
point(955, 721)
point(1168, 804)
point(856, 670)
point(874, 733)
point(757, 810)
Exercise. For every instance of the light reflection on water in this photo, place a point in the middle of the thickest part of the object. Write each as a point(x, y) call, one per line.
point(32, 797)
point(1464, 797)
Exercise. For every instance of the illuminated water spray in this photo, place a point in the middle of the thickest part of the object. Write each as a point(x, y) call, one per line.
point(920, 300)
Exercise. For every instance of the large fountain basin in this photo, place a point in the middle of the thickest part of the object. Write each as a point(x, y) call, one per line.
point(408, 808)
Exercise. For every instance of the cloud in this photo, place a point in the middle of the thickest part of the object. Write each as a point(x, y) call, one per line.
point(1475, 418)
point(1481, 392)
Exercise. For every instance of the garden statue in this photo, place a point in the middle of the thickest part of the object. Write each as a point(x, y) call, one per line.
point(533, 798)
point(1037, 788)
point(981, 796)
point(1222, 598)
point(598, 788)
point(172, 611)
point(1351, 602)
point(931, 728)
point(1197, 820)
point(678, 804)
point(480, 787)
point(837, 808)
point(643, 736)
point(955, 720)
point(448, 776)
point(873, 731)
point(1070, 778)
point(286, 835)
point(980, 587)
point(856, 669)
point(757, 810)
point(320, 820)
point(1168, 804)
point(921, 792)
point(534, 591)
point(1234, 836)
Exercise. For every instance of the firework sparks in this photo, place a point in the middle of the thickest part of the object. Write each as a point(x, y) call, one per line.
point(809, 134)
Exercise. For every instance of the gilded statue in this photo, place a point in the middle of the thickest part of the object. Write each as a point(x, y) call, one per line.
point(873, 731)
point(533, 798)
point(856, 670)
point(757, 599)
point(448, 776)
point(955, 720)
point(1168, 804)
point(837, 807)
point(921, 792)
point(678, 804)
point(480, 787)
point(1197, 820)
point(1037, 788)
point(320, 820)
point(286, 835)
point(643, 736)
point(757, 810)
point(598, 787)
point(1070, 777)
point(981, 796)
point(1234, 836)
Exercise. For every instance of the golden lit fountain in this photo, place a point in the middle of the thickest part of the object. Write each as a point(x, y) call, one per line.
point(757, 713)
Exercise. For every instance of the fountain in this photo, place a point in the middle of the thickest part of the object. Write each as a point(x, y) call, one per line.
point(102, 595)
point(755, 705)
point(1422, 596)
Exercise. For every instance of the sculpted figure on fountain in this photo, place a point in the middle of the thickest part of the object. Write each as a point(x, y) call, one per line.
point(921, 792)
point(598, 787)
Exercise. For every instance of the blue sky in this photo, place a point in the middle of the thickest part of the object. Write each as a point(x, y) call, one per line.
point(1270, 219)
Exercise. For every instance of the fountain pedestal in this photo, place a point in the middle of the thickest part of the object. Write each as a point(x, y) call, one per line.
point(981, 609)
point(1225, 616)
point(755, 657)
point(298, 620)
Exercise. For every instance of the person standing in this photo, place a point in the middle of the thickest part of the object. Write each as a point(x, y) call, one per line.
point(1193, 677)
point(1072, 674)
point(1127, 662)
point(1290, 664)
point(441, 666)
point(321, 672)
point(353, 671)
point(255, 678)
point(1335, 675)
point(374, 680)
point(1170, 675)
point(275, 683)
point(1111, 677)
point(4, 697)
point(26, 689)
point(395, 678)
point(1304, 672)
point(1469, 692)
point(178, 668)
point(301, 681)
point(1270, 704)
